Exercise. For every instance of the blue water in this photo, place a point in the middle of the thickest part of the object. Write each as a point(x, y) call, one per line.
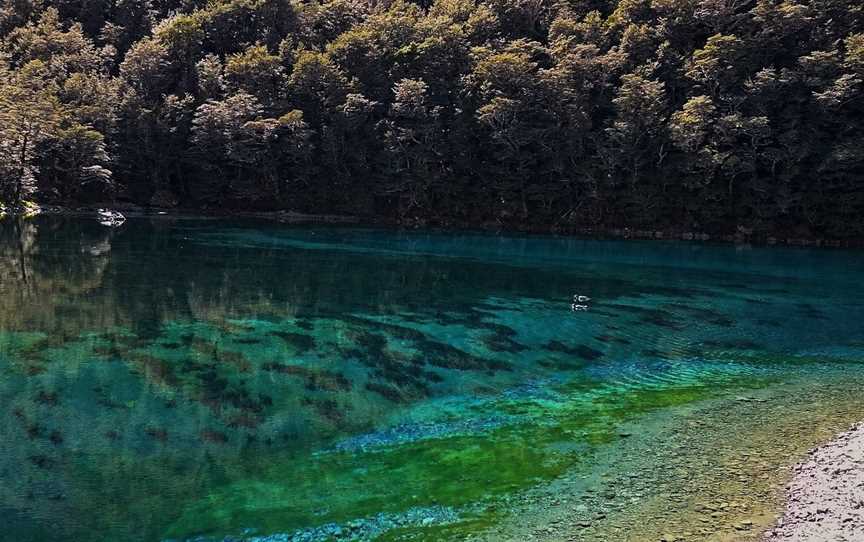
point(203, 379)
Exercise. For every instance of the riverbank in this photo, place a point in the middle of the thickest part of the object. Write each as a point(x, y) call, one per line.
point(712, 472)
point(825, 499)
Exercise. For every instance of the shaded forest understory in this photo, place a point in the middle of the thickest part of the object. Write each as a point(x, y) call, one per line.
point(710, 115)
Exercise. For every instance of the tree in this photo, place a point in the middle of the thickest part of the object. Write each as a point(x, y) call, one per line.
point(78, 164)
point(690, 126)
point(211, 83)
point(413, 141)
point(256, 72)
point(63, 51)
point(183, 38)
point(230, 139)
point(511, 112)
point(634, 138)
point(316, 85)
point(717, 66)
point(145, 69)
point(30, 113)
point(525, 113)
point(371, 50)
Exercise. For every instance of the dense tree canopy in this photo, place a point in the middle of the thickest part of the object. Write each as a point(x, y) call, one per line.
point(708, 114)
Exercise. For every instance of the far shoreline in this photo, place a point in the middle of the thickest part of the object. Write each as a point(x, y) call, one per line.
point(743, 236)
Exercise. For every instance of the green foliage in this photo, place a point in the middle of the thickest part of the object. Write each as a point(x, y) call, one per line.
point(146, 68)
point(256, 71)
point(520, 113)
point(689, 126)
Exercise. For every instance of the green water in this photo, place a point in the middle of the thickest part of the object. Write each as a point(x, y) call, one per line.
point(201, 379)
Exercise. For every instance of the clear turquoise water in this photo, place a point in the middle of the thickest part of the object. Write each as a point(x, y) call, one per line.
point(202, 379)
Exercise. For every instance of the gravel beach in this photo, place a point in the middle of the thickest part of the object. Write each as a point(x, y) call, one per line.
point(825, 499)
point(712, 472)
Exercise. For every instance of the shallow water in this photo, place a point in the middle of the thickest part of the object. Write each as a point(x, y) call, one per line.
point(202, 379)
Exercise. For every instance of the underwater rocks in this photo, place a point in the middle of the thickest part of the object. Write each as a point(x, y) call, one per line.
point(300, 341)
point(157, 433)
point(355, 530)
point(502, 343)
point(704, 474)
point(404, 433)
point(329, 409)
point(42, 461)
point(47, 398)
point(825, 499)
point(581, 351)
point(539, 389)
point(449, 357)
point(371, 349)
point(404, 394)
point(392, 330)
point(213, 436)
point(315, 379)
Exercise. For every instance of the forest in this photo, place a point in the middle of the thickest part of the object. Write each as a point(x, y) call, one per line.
point(715, 115)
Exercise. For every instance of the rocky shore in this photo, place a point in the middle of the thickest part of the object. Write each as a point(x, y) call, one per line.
point(710, 473)
point(825, 499)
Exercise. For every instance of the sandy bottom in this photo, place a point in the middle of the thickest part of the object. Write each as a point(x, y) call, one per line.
point(712, 472)
point(825, 499)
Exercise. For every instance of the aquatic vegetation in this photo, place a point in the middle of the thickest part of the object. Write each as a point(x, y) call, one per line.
point(580, 351)
point(300, 341)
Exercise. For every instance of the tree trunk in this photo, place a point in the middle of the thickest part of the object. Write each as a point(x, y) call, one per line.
point(19, 182)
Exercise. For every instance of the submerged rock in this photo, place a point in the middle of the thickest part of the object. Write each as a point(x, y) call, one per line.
point(404, 433)
point(359, 529)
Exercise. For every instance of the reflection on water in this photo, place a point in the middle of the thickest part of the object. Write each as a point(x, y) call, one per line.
point(178, 378)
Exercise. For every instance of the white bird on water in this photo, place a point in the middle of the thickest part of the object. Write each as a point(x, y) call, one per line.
point(110, 218)
point(579, 303)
